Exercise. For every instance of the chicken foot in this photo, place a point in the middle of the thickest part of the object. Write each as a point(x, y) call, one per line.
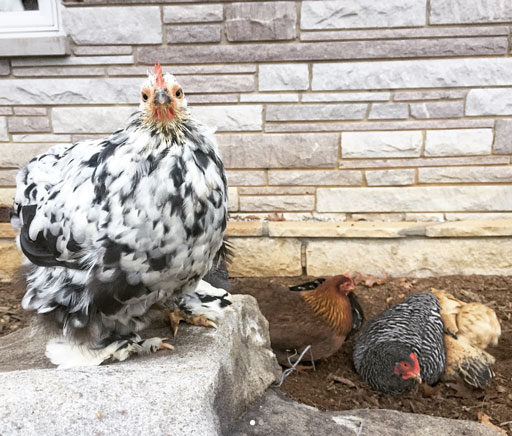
point(177, 315)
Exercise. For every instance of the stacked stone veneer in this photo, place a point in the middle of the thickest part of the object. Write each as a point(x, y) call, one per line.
point(353, 109)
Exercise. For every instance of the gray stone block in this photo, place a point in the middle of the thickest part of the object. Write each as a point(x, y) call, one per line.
point(90, 119)
point(476, 11)
point(193, 13)
point(434, 73)
point(326, 51)
point(4, 67)
point(389, 111)
point(28, 124)
point(3, 129)
point(281, 77)
point(503, 138)
point(193, 33)
point(201, 387)
point(437, 109)
point(416, 199)
point(279, 151)
point(496, 101)
point(316, 112)
point(278, 415)
point(122, 25)
point(260, 21)
point(336, 14)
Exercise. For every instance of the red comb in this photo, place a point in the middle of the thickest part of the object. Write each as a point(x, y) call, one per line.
point(159, 78)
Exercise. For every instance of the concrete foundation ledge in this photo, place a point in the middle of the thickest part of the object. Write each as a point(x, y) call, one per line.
point(291, 248)
point(201, 387)
point(414, 249)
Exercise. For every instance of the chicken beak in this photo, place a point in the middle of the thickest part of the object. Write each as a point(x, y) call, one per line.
point(162, 97)
point(418, 379)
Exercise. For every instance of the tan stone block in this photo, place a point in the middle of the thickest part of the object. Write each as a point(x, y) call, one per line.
point(282, 203)
point(7, 196)
point(245, 228)
point(277, 190)
point(233, 199)
point(349, 126)
point(344, 229)
point(498, 227)
point(411, 257)
point(6, 231)
point(265, 257)
point(11, 259)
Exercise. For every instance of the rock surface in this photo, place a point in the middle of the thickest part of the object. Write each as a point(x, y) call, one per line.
point(201, 387)
point(277, 415)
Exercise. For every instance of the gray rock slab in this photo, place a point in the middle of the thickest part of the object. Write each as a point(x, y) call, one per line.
point(278, 415)
point(201, 387)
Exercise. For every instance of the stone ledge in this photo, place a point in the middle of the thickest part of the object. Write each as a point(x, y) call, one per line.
point(201, 387)
point(364, 229)
point(278, 415)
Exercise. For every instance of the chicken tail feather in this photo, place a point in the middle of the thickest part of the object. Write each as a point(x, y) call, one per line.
point(476, 372)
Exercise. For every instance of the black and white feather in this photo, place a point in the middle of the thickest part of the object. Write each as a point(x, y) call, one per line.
point(113, 227)
point(413, 326)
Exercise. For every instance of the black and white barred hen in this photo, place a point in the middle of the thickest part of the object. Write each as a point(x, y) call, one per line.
point(402, 346)
point(116, 228)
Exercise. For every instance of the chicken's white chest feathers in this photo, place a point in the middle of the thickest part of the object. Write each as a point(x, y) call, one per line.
point(152, 212)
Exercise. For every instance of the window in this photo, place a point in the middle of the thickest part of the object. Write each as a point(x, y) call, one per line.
point(31, 27)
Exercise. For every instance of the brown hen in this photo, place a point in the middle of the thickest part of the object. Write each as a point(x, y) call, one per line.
point(470, 328)
point(321, 313)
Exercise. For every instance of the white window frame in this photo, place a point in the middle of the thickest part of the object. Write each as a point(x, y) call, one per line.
point(33, 33)
point(45, 19)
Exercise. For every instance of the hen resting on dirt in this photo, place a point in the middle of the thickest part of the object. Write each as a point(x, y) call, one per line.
point(320, 313)
point(470, 328)
point(425, 338)
point(114, 228)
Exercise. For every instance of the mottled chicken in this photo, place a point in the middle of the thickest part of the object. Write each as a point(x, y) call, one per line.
point(470, 328)
point(425, 338)
point(321, 313)
point(115, 228)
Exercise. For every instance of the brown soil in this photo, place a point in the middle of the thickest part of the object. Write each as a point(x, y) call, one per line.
point(334, 385)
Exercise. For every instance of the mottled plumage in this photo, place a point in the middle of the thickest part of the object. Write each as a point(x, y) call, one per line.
point(413, 326)
point(114, 226)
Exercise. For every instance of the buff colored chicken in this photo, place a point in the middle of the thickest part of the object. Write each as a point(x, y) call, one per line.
point(469, 329)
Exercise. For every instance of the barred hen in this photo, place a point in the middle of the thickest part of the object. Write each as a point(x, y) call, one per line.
point(429, 337)
point(402, 345)
point(116, 228)
point(321, 313)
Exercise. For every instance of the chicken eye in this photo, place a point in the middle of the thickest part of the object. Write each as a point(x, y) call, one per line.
point(144, 96)
point(405, 364)
point(179, 93)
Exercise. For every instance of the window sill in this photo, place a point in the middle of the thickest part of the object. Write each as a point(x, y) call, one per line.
point(36, 44)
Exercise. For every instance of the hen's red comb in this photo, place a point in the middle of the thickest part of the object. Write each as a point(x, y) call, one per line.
point(159, 78)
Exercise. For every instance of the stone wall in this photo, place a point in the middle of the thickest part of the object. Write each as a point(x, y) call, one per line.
point(355, 109)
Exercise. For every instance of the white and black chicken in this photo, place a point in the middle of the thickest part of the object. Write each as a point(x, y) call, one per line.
point(116, 228)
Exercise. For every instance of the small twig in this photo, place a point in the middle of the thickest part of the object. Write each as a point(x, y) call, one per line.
point(505, 423)
point(293, 366)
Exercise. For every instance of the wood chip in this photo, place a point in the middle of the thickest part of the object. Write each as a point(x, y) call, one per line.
point(486, 420)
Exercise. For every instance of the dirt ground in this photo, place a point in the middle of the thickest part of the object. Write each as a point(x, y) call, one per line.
point(334, 385)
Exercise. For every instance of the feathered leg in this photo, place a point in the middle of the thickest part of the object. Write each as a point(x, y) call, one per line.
point(202, 307)
point(66, 354)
